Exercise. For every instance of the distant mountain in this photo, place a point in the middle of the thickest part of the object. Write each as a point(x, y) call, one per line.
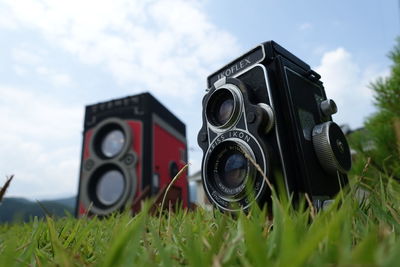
point(69, 201)
point(22, 210)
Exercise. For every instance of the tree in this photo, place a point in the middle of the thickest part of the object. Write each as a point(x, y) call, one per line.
point(387, 90)
point(382, 129)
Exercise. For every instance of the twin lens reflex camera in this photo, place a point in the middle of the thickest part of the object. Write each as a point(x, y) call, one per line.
point(266, 114)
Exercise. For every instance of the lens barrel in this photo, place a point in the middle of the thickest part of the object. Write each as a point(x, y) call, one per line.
point(223, 107)
point(112, 143)
point(110, 187)
point(234, 169)
point(229, 168)
point(111, 139)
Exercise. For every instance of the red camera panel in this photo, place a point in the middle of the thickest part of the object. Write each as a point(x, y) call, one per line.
point(169, 158)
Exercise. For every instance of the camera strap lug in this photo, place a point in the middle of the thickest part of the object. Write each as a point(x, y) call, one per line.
point(313, 75)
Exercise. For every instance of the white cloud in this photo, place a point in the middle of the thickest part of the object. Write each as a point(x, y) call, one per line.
point(61, 79)
point(42, 70)
point(160, 45)
point(23, 55)
point(340, 73)
point(167, 47)
point(28, 62)
point(36, 143)
point(7, 21)
point(19, 70)
point(57, 79)
point(347, 83)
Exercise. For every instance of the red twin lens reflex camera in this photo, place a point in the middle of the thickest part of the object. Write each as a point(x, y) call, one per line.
point(132, 149)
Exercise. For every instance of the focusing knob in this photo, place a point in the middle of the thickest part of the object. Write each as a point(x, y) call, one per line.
point(328, 107)
point(331, 148)
point(269, 116)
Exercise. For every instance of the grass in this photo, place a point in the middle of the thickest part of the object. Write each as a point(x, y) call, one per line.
point(351, 231)
point(3, 189)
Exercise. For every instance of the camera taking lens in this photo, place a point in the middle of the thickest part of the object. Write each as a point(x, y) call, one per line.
point(229, 168)
point(110, 187)
point(234, 170)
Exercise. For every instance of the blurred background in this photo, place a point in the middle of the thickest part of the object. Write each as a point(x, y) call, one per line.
point(58, 56)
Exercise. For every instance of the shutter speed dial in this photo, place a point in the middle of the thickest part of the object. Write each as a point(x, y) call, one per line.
point(331, 148)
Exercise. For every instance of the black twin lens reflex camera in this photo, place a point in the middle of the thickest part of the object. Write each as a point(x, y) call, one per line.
point(270, 106)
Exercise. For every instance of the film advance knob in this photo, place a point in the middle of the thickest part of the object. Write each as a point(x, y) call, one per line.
point(331, 148)
point(328, 107)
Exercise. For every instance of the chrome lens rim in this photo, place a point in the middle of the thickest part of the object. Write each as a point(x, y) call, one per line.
point(231, 186)
point(111, 139)
point(112, 143)
point(254, 189)
point(223, 107)
point(229, 179)
point(110, 187)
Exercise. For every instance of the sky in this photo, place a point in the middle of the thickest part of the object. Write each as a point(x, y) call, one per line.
point(58, 56)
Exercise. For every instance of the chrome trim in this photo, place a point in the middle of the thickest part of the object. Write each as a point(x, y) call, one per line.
point(125, 129)
point(247, 149)
point(264, 167)
point(237, 107)
point(275, 124)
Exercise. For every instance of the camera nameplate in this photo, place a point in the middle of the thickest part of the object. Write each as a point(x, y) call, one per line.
point(239, 65)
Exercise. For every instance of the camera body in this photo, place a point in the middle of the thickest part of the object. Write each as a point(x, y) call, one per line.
point(132, 149)
point(270, 108)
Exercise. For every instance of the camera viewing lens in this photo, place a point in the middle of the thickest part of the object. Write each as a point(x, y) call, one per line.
point(112, 143)
point(220, 107)
point(225, 111)
point(110, 187)
point(234, 170)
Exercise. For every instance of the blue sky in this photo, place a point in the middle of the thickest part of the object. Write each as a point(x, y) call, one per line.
point(58, 56)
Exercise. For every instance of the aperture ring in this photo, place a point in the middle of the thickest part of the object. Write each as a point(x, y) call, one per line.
point(254, 186)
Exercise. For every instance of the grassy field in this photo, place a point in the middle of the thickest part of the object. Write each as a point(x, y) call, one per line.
point(349, 232)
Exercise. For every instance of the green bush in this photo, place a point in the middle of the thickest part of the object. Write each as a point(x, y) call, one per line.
point(377, 141)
